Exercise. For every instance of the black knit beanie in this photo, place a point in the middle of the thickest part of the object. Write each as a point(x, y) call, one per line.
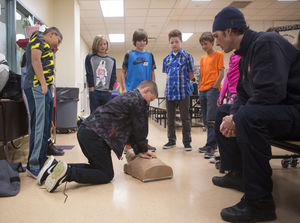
point(229, 17)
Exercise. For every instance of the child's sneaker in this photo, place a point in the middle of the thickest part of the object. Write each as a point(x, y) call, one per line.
point(126, 148)
point(32, 173)
point(209, 153)
point(169, 145)
point(57, 176)
point(212, 160)
point(203, 149)
point(46, 170)
point(151, 148)
point(188, 147)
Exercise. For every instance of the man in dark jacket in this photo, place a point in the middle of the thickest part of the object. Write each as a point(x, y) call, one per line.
point(121, 120)
point(267, 106)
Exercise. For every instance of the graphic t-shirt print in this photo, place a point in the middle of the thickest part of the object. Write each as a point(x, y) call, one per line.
point(101, 74)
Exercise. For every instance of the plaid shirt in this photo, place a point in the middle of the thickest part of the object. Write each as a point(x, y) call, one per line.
point(178, 68)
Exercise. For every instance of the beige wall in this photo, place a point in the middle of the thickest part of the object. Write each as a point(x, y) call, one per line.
point(83, 96)
point(69, 59)
point(42, 9)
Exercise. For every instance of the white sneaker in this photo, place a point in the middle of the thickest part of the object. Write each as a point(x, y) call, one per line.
point(57, 176)
point(212, 160)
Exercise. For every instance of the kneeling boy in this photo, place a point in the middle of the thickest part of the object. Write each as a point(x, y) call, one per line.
point(122, 120)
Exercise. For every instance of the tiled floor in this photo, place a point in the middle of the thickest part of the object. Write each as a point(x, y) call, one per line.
point(187, 198)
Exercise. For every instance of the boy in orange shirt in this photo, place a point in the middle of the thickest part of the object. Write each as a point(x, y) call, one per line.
point(212, 73)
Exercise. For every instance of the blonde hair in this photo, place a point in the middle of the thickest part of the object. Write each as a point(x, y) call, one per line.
point(151, 84)
point(97, 40)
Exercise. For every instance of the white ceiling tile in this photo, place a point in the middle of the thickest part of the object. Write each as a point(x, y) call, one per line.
point(250, 12)
point(203, 26)
point(210, 12)
point(95, 27)
point(89, 5)
point(280, 5)
point(198, 4)
point(136, 20)
point(188, 18)
point(115, 28)
point(136, 4)
point(92, 20)
point(294, 5)
point(219, 4)
point(181, 4)
point(90, 13)
point(176, 12)
point(136, 12)
point(192, 12)
point(159, 12)
point(130, 27)
point(149, 27)
point(162, 4)
point(156, 19)
point(258, 5)
point(114, 20)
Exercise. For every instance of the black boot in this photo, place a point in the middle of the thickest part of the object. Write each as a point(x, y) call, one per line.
point(52, 150)
point(262, 209)
point(233, 179)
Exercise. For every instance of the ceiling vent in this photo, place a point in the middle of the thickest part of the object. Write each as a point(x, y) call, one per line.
point(240, 4)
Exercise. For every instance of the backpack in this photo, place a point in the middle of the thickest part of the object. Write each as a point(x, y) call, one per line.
point(12, 89)
point(9, 178)
point(4, 73)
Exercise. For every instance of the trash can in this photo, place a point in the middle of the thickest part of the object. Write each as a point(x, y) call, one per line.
point(66, 107)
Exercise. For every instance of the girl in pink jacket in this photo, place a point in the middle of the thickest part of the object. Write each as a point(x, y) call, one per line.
point(228, 90)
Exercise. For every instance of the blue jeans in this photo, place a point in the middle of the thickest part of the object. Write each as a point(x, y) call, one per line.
point(40, 111)
point(98, 98)
point(208, 102)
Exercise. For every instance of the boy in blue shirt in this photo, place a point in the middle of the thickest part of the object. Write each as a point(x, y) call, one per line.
point(179, 66)
point(138, 66)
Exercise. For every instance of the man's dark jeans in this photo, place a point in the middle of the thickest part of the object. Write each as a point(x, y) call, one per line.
point(250, 150)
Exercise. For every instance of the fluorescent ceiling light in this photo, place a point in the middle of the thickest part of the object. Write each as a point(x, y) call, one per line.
point(112, 8)
point(116, 38)
point(18, 16)
point(186, 36)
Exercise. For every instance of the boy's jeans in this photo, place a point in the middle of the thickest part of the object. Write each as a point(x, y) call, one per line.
point(99, 170)
point(208, 102)
point(98, 98)
point(184, 106)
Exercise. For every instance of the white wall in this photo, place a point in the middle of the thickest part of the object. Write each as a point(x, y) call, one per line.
point(83, 92)
point(42, 9)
